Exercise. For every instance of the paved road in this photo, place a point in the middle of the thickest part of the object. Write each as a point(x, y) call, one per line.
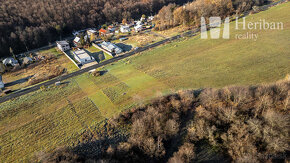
point(79, 72)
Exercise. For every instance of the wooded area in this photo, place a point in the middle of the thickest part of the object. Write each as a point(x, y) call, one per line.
point(27, 24)
point(190, 15)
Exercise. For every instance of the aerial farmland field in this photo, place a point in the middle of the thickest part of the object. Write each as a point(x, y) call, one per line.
point(190, 63)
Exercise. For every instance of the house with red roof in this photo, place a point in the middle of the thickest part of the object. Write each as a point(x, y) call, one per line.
point(102, 32)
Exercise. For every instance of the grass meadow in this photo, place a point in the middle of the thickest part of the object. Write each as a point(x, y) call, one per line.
point(46, 119)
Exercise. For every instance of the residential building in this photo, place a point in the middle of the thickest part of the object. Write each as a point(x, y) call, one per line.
point(125, 29)
point(138, 28)
point(102, 32)
point(62, 45)
point(112, 48)
point(82, 57)
point(139, 23)
point(27, 60)
point(111, 28)
point(142, 19)
point(92, 34)
point(77, 41)
point(10, 61)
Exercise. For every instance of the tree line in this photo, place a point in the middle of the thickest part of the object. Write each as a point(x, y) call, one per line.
point(27, 24)
point(190, 14)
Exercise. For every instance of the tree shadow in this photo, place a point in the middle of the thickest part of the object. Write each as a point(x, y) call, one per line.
point(125, 47)
point(99, 56)
point(20, 81)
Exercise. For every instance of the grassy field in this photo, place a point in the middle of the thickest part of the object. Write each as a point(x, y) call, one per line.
point(98, 54)
point(46, 119)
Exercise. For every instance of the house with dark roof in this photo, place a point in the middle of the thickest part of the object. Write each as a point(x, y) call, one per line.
point(112, 48)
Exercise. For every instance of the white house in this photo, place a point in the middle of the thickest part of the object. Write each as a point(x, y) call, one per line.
point(77, 41)
point(1, 83)
point(82, 57)
point(125, 29)
point(111, 47)
point(10, 61)
point(62, 45)
point(138, 28)
point(142, 19)
point(139, 23)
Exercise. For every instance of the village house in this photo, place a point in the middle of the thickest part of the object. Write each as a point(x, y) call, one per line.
point(82, 57)
point(27, 60)
point(102, 32)
point(125, 29)
point(111, 28)
point(10, 61)
point(138, 23)
point(92, 34)
point(112, 48)
point(138, 28)
point(62, 45)
point(142, 19)
point(77, 41)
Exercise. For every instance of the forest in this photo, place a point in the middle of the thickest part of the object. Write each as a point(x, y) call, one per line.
point(173, 15)
point(28, 24)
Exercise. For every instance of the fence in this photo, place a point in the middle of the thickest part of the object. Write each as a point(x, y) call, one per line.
point(70, 59)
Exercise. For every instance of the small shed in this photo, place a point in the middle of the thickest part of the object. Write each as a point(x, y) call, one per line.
point(27, 60)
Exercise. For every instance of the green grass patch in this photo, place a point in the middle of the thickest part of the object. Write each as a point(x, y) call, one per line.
point(117, 93)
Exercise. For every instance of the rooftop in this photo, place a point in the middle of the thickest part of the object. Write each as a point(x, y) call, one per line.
point(92, 31)
point(82, 54)
point(111, 47)
point(62, 42)
point(77, 39)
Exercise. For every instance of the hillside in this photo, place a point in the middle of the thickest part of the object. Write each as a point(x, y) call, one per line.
point(233, 124)
point(78, 106)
